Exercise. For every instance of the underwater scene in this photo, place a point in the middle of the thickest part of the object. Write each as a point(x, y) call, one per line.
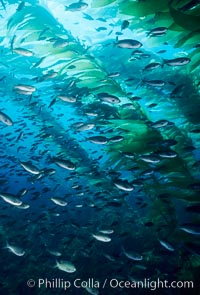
point(100, 147)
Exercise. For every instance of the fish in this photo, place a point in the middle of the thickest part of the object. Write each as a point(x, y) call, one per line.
point(99, 29)
point(152, 66)
point(98, 139)
point(26, 88)
point(70, 99)
point(85, 127)
point(66, 164)
point(29, 167)
point(154, 83)
point(133, 255)
point(160, 123)
point(65, 266)
point(105, 163)
point(23, 206)
point(23, 51)
point(168, 154)
point(124, 185)
point(59, 201)
point(128, 43)
point(193, 230)
point(87, 16)
point(107, 231)
point(55, 253)
point(116, 138)
point(60, 43)
point(5, 119)
point(166, 245)
point(52, 103)
point(15, 250)
point(101, 238)
point(20, 6)
point(179, 61)
point(49, 75)
point(20, 136)
point(150, 159)
point(125, 24)
point(76, 6)
point(113, 75)
point(108, 98)
point(190, 5)
point(128, 155)
point(157, 32)
point(11, 199)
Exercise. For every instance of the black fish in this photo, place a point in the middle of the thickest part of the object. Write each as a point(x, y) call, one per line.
point(52, 102)
point(192, 4)
point(20, 6)
point(87, 16)
point(124, 25)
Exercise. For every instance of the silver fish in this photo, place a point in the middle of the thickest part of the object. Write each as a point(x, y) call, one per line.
point(66, 266)
point(124, 185)
point(28, 166)
point(98, 139)
point(59, 201)
point(108, 98)
point(11, 199)
point(159, 124)
point(25, 88)
point(179, 61)
point(133, 256)
point(150, 159)
point(190, 230)
point(15, 250)
point(166, 245)
point(5, 119)
point(168, 154)
point(22, 51)
point(66, 164)
point(102, 238)
point(128, 43)
point(70, 99)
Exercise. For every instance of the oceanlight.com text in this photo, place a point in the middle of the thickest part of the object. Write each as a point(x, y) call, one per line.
point(61, 283)
point(149, 284)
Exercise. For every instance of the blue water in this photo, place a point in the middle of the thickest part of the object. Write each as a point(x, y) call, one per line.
point(131, 204)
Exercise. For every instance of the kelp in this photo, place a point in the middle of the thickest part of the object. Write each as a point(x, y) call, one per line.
point(102, 3)
point(187, 21)
point(74, 63)
point(163, 13)
point(142, 8)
